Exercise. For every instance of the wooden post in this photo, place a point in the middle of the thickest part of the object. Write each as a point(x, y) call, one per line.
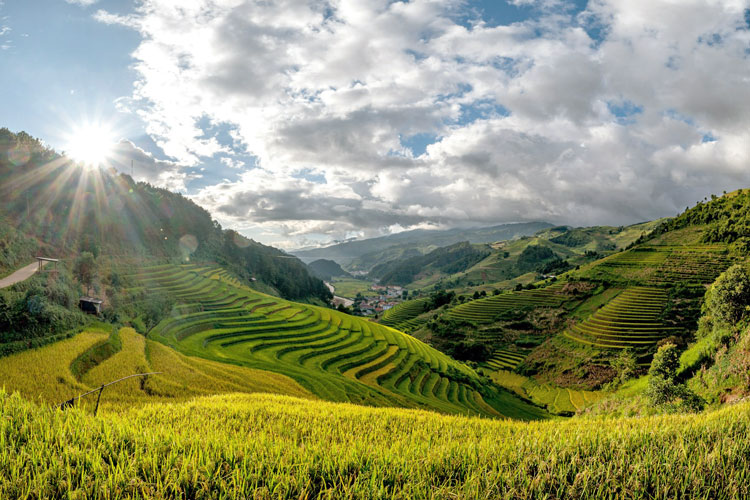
point(97, 400)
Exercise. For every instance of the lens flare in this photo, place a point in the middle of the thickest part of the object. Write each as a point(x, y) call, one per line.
point(90, 144)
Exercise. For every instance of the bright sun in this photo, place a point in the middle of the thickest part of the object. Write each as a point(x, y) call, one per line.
point(90, 144)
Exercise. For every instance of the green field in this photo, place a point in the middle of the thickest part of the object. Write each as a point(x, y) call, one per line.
point(630, 320)
point(402, 317)
point(262, 446)
point(558, 400)
point(349, 288)
point(333, 355)
point(487, 310)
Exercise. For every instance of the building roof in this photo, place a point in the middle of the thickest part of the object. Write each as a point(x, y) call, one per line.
point(93, 300)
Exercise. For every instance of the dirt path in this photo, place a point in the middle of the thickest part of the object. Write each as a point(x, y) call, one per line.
point(20, 275)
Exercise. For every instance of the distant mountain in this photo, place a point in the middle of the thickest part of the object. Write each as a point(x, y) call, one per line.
point(362, 255)
point(326, 269)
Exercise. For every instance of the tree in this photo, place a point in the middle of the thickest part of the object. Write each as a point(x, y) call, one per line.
point(625, 364)
point(664, 389)
point(85, 269)
point(729, 296)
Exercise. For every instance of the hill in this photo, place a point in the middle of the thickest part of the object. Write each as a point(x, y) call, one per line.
point(444, 260)
point(504, 264)
point(47, 198)
point(333, 355)
point(327, 269)
point(362, 255)
point(574, 332)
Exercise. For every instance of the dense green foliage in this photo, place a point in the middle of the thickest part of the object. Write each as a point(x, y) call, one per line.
point(39, 310)
point(534, 256)
point(727, 217)
point(664, 389)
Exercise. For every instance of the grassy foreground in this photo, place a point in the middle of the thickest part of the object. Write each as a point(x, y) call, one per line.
point(264, 446)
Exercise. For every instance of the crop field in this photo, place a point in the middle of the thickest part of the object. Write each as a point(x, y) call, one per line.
point(51, 375)
point(558, 400)
point(349, 287)
point(401, 317)
point(505, 359)
point(663, 265)
point(486, 310)
point(693, 264)
point(630, 320)
point(264, 446)
point(333, 355)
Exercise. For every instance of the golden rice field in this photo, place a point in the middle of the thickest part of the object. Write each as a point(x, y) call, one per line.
point(265, 446)
point(44, 374)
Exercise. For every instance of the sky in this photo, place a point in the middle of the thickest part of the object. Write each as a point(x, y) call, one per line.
point(303, 122)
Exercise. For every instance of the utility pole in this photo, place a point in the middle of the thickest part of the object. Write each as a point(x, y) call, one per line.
point(131, 168)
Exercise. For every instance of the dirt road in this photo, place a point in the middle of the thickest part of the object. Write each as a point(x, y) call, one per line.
point(20, 275)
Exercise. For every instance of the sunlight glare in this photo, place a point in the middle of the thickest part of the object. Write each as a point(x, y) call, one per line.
point(90, 144)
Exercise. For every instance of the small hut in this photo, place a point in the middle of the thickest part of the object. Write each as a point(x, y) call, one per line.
point(90, 305)
point(44, 260)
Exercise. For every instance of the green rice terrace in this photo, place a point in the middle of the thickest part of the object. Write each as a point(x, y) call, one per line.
point(402, 316)
point(333, 355)
point(630, 320)
point(663, 265)
point(504, 359)
point(487, 310)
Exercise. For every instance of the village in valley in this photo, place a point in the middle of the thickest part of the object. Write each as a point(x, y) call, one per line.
point(369, 301)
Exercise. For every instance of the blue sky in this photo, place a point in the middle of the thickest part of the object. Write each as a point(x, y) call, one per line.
point(300, 122)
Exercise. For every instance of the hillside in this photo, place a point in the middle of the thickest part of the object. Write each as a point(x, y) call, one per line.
point(335, 356)
point(575, 333)
point(504, 264)
point(47, 198)
point(326, 270)
point(362, 255)
point(444, 261)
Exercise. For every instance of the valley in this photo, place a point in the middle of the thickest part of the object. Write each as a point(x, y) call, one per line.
point(539, 337)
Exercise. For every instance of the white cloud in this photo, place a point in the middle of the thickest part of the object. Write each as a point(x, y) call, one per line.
point(536, 120)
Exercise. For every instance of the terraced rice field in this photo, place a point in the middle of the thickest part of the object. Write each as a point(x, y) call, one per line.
point(697, 264)
point(333, 355)
point(401, 317)
point(630, 320)
point(559, 400)
point(487, 310)
point(49, 375)
point(505, 359)
point(665, 264)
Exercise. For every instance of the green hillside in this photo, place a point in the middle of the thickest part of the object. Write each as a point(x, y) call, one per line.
point(335, 356)
point(326, 270)
point(446, 260)
point(47, 198)
point(505, 263)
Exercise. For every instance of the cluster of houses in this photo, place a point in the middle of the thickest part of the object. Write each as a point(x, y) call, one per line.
point(388, 297)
